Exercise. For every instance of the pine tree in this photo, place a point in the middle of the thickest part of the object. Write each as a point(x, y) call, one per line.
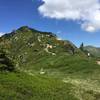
point(82, 47)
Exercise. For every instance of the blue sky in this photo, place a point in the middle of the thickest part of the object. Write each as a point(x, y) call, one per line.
point(16, 13)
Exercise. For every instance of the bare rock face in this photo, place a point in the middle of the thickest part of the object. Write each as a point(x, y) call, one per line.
point(98, 62)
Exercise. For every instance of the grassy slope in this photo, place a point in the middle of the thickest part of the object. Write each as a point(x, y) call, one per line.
point(24, 87)
point(21, 86)
point(67, 77)
point(34, 57)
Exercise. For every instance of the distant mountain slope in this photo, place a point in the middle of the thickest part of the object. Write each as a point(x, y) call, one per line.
point(93, 50)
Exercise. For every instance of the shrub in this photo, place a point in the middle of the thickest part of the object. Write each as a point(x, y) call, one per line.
point(6, 64)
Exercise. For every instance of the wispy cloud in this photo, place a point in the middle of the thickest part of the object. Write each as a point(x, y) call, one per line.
point(85, 11)
point(1, 33)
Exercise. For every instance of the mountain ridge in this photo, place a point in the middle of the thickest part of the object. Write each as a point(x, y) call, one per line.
point(95, 51)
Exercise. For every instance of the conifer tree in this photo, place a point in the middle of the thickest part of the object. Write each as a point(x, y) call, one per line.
point(82, 47)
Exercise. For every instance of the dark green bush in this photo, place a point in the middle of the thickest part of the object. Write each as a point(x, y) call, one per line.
point(6, 64)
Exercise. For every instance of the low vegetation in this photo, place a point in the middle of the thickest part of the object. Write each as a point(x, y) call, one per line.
point(6, 64)
point(46, 68)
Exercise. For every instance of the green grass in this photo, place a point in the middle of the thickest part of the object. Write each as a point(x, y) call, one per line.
point(65, 65)
point(67, 76)
point(21, 86)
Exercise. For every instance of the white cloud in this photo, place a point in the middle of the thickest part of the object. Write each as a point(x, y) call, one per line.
point(1, 33)
point(86, 11)
point(88, 28)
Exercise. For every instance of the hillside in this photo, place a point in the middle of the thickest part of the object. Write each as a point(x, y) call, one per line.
point(93, 50)
point(47, 68)
point(34, 50)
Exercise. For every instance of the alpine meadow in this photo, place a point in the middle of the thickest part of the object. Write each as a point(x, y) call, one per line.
point(50, 50)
